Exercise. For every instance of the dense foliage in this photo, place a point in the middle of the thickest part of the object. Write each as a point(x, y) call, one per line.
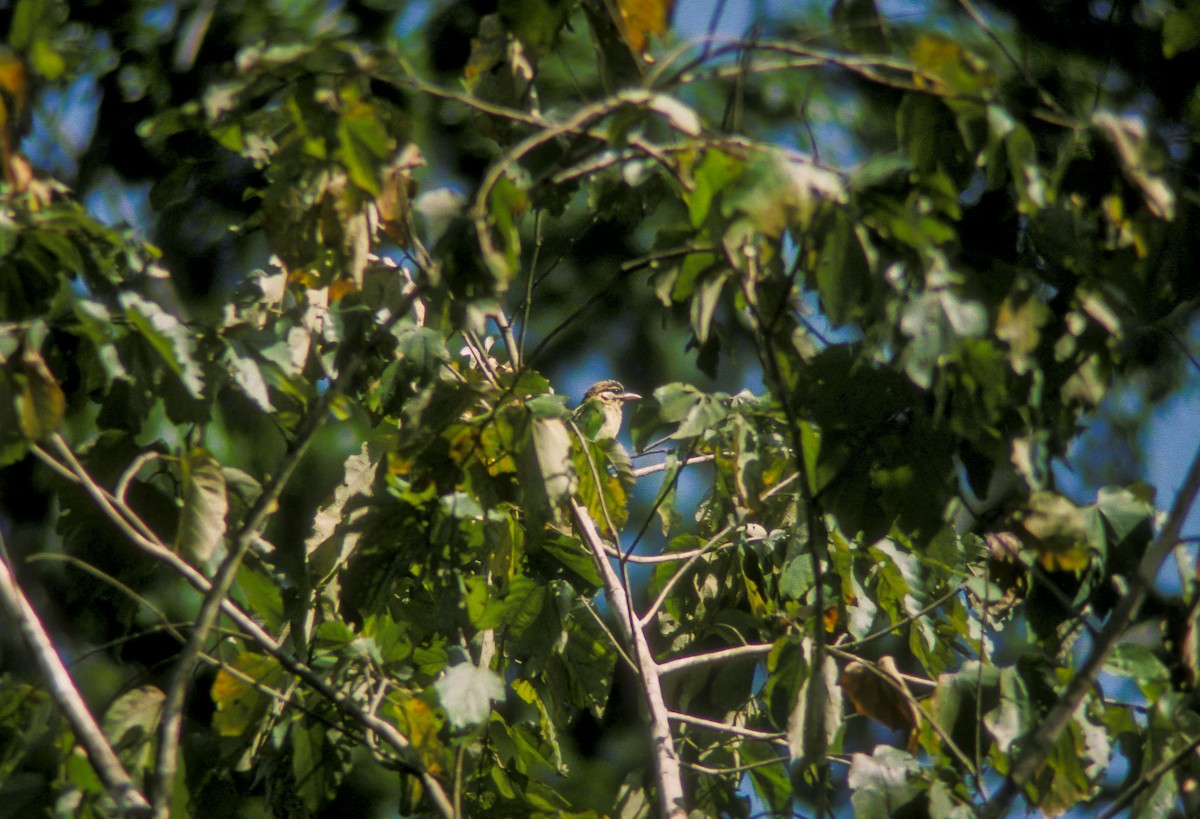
point(283, 478)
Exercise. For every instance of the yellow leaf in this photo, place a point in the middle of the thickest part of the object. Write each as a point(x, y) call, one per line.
point(239, 702)
point(641, 18)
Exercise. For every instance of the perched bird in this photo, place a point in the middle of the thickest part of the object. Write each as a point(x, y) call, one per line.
point(599, 414)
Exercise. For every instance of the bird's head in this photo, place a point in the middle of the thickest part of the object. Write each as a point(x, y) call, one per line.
point(609, 392)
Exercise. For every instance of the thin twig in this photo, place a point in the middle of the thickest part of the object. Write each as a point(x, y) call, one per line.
point(912, 618)
point(749, 733)
point(659, 467)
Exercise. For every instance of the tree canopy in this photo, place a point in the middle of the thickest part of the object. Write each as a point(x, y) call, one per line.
point(296, 303)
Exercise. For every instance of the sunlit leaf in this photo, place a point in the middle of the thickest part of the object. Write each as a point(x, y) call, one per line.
point(467, 692)
point(1129, 138)
point(248, 376)
point(202, 521)
point(40, 402)
point(131, 723)
point(883, 783)
point(168, 336)
point(816, 715)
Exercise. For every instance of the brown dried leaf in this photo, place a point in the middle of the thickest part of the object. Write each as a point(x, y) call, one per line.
point(879, 693)
point(397, 194)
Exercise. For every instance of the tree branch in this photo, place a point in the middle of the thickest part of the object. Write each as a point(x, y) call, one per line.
point(100, 753)
point(666, 760)
point(1035, 749)
point(659, 467)
point(749, 733)
point(713, 657)
point(680, 573)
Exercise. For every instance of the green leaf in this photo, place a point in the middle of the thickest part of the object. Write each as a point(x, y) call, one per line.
point(507, 203)
point(861, 26)
point(467, 692)
point(883, 783)
point(247, 375)
point(573, 556)
point(202, 520)
point(714, 173)
point(536, 23)
point(1027, 175)
point(1181, 30)
point(238, 701)
point(552, 445)
point(1126, 509)
point(816, 715)
point(40, 402)
point(1138, 662)
point(549, 406)
point(843, 272)
point(263, 596)
point(484, 611)
point(390, 638)
point(523, 603)
point(364, 142)
point(130, 724)
point(336, 528)
point(1014, 715)
point(168, 336)
point(704, 302)
point(317, 765)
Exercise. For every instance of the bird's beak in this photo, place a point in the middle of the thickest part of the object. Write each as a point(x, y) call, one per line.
point(630, 396)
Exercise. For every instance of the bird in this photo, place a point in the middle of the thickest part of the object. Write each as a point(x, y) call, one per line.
point(599, 414)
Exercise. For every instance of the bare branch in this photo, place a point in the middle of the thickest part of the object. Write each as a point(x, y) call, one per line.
point(688, 719)
point(62, 688)
point(713, 657)
point(666, 760)
point(652, 468)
